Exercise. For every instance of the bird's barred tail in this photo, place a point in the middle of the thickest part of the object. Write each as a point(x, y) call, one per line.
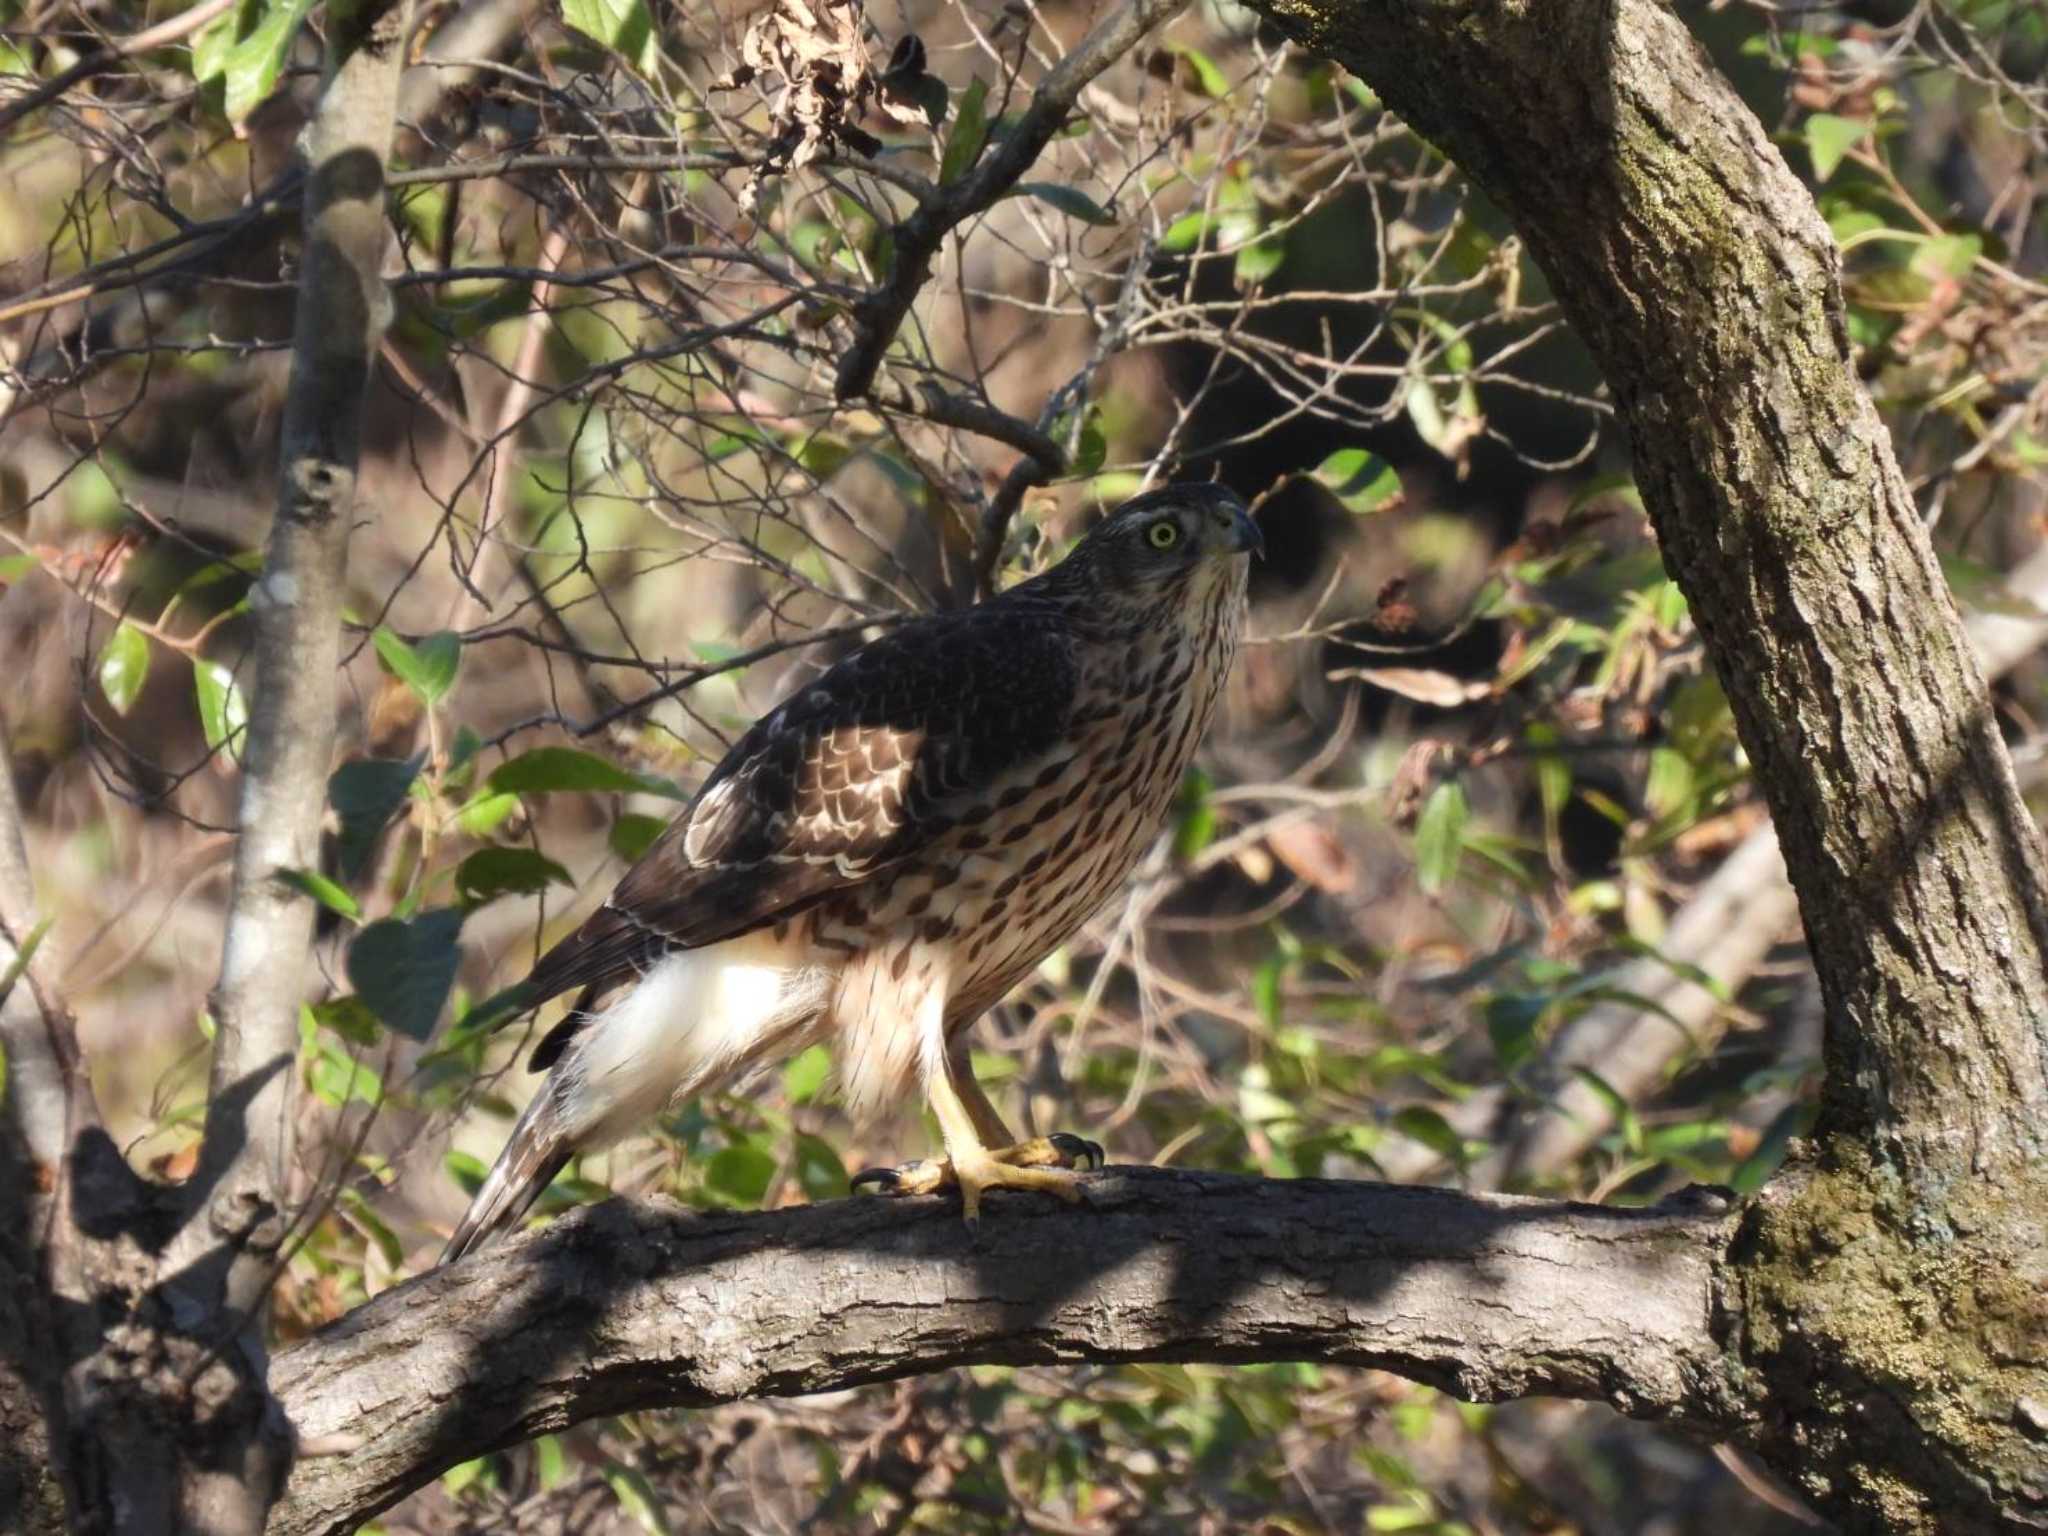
point(537, 1151)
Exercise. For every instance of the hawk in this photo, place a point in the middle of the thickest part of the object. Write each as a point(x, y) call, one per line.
point(885, 854)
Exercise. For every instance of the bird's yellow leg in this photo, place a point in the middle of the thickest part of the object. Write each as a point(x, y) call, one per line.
point(975, 1167)
point(1062, 1149)
point(981, 1152)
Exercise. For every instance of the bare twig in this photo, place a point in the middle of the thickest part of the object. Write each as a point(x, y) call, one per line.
point(918, 237)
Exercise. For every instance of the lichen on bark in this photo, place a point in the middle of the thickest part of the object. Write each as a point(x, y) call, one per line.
point(1900, 1361)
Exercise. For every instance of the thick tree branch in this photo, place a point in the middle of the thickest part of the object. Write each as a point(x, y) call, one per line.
point(1698, 272)
point(629, 1306)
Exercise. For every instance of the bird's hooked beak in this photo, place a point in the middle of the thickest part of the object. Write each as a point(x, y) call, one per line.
point(1244, 534)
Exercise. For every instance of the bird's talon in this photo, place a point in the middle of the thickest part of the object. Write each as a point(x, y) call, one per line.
point(1079, 1151)
point(874, 1181)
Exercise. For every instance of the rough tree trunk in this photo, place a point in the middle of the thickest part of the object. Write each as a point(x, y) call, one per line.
point(133, 1317)
point(1889, 1293)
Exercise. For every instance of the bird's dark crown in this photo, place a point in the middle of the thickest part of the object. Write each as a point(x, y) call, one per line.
point(1161, 536)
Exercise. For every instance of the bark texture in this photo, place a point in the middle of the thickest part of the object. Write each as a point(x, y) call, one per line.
point(1698, 271)
point(627, 1306)
point(133, 1316)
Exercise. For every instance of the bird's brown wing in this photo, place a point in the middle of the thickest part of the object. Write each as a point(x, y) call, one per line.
point(847, 777)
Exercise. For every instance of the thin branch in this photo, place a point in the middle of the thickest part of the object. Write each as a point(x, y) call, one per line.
point(626, 1306)
point(106, 57)
point(919, 236)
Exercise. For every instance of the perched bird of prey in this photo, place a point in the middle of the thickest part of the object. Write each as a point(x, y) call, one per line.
point(884, 855)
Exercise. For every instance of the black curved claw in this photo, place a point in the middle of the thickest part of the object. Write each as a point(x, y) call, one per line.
point(1079, 1150)
point(883, 1180)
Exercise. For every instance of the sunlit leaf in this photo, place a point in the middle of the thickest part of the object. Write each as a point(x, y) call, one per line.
point(349, 1017)
point(493, 872)
point(1440, 836)
point(247, 51)
point(427, 666)
point(1829, 137)
point(625, 26)
point(1362, 481)
point(969, 133)
point(1206, 75)
point(323, 890)
point(1948, 256)
point(223, 709)
point(806, 1073)
point(1420, 1123)
point(124, 667)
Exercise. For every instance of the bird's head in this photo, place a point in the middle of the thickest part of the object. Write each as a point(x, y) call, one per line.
point(1182, 536)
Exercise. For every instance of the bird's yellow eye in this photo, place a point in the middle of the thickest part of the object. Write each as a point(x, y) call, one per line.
point(1163, 534)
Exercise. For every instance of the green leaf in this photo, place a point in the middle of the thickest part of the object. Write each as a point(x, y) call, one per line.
point(1981, 589)
point(493, 872)
point(819, 1172)
point(467, 1171)
point(427, 668)
point(1440, 836)
point(637, 1498)
point(1258, 261)
point(486, 813)
point(124, 667)
point(349, 1017)
point(621, 25)
point(223, 709)
point(548, 769)
point(323, 890)
point(1069, 200)
point(1511, 1019)
point(403, 968)
point(1196, 828)
point(740, 1175)
point(1090, 450)
point(248, 51)
point(1624, 1113)
point(1949, 256)
point(365, 793)
point(1363, 482)
point(1420, 1123)
point(633, 834)
point(970, 132)
point(806, 1073)
point(1207, 75)
point(1755, 1171)
point(1185, 232)
point(1829, 137)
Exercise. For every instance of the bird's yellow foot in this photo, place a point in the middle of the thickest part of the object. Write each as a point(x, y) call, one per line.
point(1045, 1163)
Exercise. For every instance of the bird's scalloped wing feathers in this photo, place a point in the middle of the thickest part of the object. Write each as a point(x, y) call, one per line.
point(850, 775)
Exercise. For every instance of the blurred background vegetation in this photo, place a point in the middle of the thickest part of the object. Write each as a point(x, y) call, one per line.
point(1470, 884)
